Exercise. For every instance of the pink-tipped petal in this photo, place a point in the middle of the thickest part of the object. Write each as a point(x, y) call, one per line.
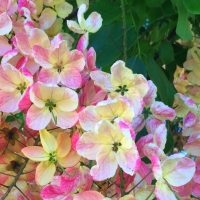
point(71, 78)
point(41, 56)
point(4, 46)
point(9, 101)
point(5, 24)
point(93, 22)
point(66, 119)
point(160, 136)
point(162, 112)
point(49, 76)
point(37, 118)
point(106, 164)
point(91, 195)
point(39, 37)
point(83, 43)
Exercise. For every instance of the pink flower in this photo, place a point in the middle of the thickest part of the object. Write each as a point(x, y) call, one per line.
point(110, 148)
point(56, 103)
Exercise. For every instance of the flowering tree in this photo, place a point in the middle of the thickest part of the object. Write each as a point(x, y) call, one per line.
point(99, 100)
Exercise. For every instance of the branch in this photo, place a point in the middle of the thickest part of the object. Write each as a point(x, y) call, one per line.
point(19, 173)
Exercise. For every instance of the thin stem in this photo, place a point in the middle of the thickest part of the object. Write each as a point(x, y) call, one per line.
point(4, 185)
point(150, 194)
point(122, 183)
point(124, 30)
point(13, 184)
point(5, 148)
point(171, 189)
point(51, 129)
point(28, 172)
point(7, 174)
point(139, 182)
point(16, 179)
point(70, 175)
point(22, 192)
point(12, 152)
point(20, 142)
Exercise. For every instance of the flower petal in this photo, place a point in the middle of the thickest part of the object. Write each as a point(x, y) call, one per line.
point(106, 165)
point(44, 172)
point(5, 24)
point(70, 160)
point(71, 78)
point(35, 153)
point(64, 144)
point(37, 118)
point(94, 22)
point(47, 18)
point(65, 119)
point(48, 141)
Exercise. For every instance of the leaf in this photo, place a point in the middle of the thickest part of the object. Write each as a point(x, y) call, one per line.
point(180, 54)
point(166, 90)
point(107, 43)
point(193, 6)
point(11, 118)
point(17, 116)
point(183, 26)
point(170, 140)
point(166, 52)
point(137, 66)
point(154, 3)
point(108, 10)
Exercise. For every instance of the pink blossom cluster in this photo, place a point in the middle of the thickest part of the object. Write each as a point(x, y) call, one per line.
point(78, 135)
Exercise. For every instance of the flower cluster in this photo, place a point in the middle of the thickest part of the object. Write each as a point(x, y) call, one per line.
point(71, 131)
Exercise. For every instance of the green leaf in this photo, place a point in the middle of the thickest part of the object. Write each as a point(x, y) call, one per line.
point(18, 116)
point(166, 52)
point(166, 90)
point(180, 54)
point(193, 6)
point(183, 26)
point(11, 118)
point(154, 3)
point(107, 43)
point(108, 10)
point(170, 140)
point(137, 66)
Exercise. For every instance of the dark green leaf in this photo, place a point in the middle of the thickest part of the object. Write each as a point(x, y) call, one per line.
point(166, 52)
point(170, 140)
point(192, 6)
point(108, 10)
point(11, 118)
point(137, 66)
point(107, 43)
point(154, 3)
point(166, 90)
point(180, 54)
